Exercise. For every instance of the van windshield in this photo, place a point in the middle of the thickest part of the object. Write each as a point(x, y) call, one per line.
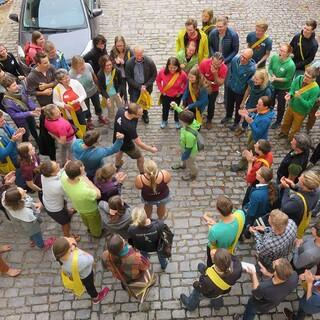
point(55, 15)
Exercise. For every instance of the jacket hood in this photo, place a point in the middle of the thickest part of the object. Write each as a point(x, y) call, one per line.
point(195, 125)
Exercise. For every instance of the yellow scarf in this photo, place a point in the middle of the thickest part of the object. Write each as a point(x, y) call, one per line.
point(216, 279)
point(259, 41)
point(7, 166)
point(169, 85)
point(306, 88)
point(194, 99)
point(304, 224)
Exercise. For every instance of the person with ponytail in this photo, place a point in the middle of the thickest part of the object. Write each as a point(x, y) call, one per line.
point(262, 199)
point(154, 188)
point(144, 234)
point(78, 265)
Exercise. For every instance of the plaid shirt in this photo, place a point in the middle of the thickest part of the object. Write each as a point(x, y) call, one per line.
point(271, 247)
point(131, 266)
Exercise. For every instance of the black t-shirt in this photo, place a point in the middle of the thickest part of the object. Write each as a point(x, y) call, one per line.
point(11, 65)
point(146, 238)
point(127, 127)
point(269, 295)
point(292, 157)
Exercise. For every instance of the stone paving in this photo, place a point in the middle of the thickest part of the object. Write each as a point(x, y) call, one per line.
point(37, 293)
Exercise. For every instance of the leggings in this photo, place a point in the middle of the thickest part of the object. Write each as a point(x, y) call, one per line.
point(88, 282)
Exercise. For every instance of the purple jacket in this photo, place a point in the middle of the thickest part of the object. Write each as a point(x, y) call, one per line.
point(14, 110)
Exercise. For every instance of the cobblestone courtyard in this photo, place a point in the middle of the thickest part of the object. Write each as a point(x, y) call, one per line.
point(37, 293)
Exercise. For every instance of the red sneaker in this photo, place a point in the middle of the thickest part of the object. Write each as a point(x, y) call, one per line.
point(103, 120)
point(49, 243)
point(90, 125)
point(101, 295)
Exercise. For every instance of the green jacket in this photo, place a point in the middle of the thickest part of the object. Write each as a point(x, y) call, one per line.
point(306, 101)
point(181, 56)
point(187, 139)
point(282, 69)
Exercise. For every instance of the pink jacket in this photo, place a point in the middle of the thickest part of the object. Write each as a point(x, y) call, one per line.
point(179, 86)
point(33, 49)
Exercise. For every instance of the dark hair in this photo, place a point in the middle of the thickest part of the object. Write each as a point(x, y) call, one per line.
point(39, 56)
point(46, 168)
point(264, 146)
point(311, 23)
point(116, 203)
point(103, 60)
point(73, 169)
point(91, 137)
point(99, 38)
point(317, 227)
point(224, 205)
point(267, 174)
point(222, 259)
point(174, 61)
point(35, 36)
point(186, 116)
point(23, 152)
point(267, 101)
point(114, 247)
point(303, 141)
point(60, 248)
point(218, 55)
point(283, 269)
point(191, 22)
point(13, 198)
point(8, 81)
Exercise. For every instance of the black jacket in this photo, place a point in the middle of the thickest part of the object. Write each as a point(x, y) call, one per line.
point(150, 74)
point(117, 80)
point(11, 65)
point(93, 57)
point(309, 50)
point(127, 56)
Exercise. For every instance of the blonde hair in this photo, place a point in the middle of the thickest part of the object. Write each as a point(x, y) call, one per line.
point(311, 180)
point(262, 24)
point(278, 219)
point(106, 172)
point(263, 75)
point(151, 169)
point(139, 217)
point(48, 46)
point(48, 110)
point(209, 12)
point(76, 61)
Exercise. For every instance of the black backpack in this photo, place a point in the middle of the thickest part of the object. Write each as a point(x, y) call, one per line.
point(165, 241)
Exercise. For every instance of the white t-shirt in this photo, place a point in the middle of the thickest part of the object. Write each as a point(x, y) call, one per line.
point(53, 194)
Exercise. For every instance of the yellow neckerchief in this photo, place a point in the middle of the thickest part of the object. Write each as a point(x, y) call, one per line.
point(81, 127)
point(194, 99)
point(74, 283)
point(205, 28)
point(216, 279)
point(128, 55)
point(169, 85)
point(17, 101)
point(305, 218)
point(111, 80)
point(301, 51)
point(264, 161)
point(259, 41)
point(306, 88)
point(8, 166)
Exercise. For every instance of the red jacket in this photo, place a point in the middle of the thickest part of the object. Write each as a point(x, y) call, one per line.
point(251, 175)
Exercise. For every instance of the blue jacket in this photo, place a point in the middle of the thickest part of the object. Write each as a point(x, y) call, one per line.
point(59, 61)
point(230, 44)
point(258, 204)
point(202, 101)
point(256, 92)
point(260, 125)
point(9, 147)
point(92, 157)
point(240, 74)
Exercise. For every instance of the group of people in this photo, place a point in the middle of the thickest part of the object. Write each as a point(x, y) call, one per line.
point(50, 100)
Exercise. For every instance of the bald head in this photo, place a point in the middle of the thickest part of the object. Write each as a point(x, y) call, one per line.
point(138, 52)
point(246, 55)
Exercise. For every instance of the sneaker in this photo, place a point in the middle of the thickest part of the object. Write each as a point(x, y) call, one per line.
point(225, 120)
point(184, 300)
point(145, 118)
point(49, 243)
point(103, 120)
point(220, 99)
point(90, 125)
point(235, 168)
point(275, 125)
point(288, 313)
point(163, 124)
point(282, 135)
point(234, 127)
point(177, 166)
point(101, 295)
point(209, 125)
point(177, 124)
point(188, 177)
point(236, 316)
point(239, 131)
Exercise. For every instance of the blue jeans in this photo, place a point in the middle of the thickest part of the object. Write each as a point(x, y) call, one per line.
point(250, 311)
point(162, 260)
point(38, 240)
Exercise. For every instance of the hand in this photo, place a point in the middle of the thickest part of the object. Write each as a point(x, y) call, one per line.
point(318, 114)
point(153, 149)
point(35, 113)
point(68, 107)
point(287, 97)
point(263, 269)
point(272, 78)
point(5, 248)
point(182, 65)
point(242, 106)
point(259, 228)
point(47, 92)
point(212, 253)
point(208, 219)
point(308, 276)
point(298, 243)
point(297, 94)
point(119, 135)
point(283, 183)
point(21, 131)
point(72, 241)
point(143, 89)
point(252, 229)
point(10, 178)
point(38, 205)
point(16, 137)
point(243, 112)
point(289, 182)
point(21, 77)
point(120, 177)
point(43, 86)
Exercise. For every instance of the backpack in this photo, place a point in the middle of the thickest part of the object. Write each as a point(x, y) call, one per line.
point(165, 241)
point(26, 49)
point(198, 135)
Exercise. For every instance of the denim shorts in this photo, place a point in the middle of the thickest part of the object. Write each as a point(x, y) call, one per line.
point(157, 202)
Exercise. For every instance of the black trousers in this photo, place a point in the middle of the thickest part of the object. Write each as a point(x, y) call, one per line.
point(95, 99)
point(31, 127)
point(165, 101)
point(233, 100)
point(88, 282)
point(279, 95)
point(316, 155)
point(209, 259)
point(212, 105)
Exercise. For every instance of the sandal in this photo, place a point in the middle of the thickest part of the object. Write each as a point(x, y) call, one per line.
point(32, 244)
point(178, 166)
point(13, 272)
point(49, 243)
point(5, 248)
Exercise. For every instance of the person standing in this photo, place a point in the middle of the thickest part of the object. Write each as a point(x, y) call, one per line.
point(126, 121)
point(55, 56)
point(281, 70)
point(171, 82)
point(141, 72)
point(304, 46)
point(191, 33)
point(260, 43)
point(35, 46)
point(8, 63)
point(188, 57)
point(208, 21)
point(214, 72)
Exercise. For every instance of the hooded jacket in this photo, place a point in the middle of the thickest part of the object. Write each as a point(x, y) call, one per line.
point(260, 125)
point(93, 57)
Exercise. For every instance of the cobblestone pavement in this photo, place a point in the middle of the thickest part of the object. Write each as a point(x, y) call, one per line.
point(38, 294)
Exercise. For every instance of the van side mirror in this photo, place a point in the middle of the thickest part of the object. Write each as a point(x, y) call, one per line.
point(14, 17)
point(96, 12)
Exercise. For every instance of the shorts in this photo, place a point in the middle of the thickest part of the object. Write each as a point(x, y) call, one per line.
point(157, 202)
point(61, 217)
point(134, 153)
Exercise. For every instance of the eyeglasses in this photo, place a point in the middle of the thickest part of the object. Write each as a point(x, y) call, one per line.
point(244, 57)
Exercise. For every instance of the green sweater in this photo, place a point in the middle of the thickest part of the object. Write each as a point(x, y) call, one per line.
point(282, 69)
point(187, 139)
point(181, 56)
point(306, 101)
